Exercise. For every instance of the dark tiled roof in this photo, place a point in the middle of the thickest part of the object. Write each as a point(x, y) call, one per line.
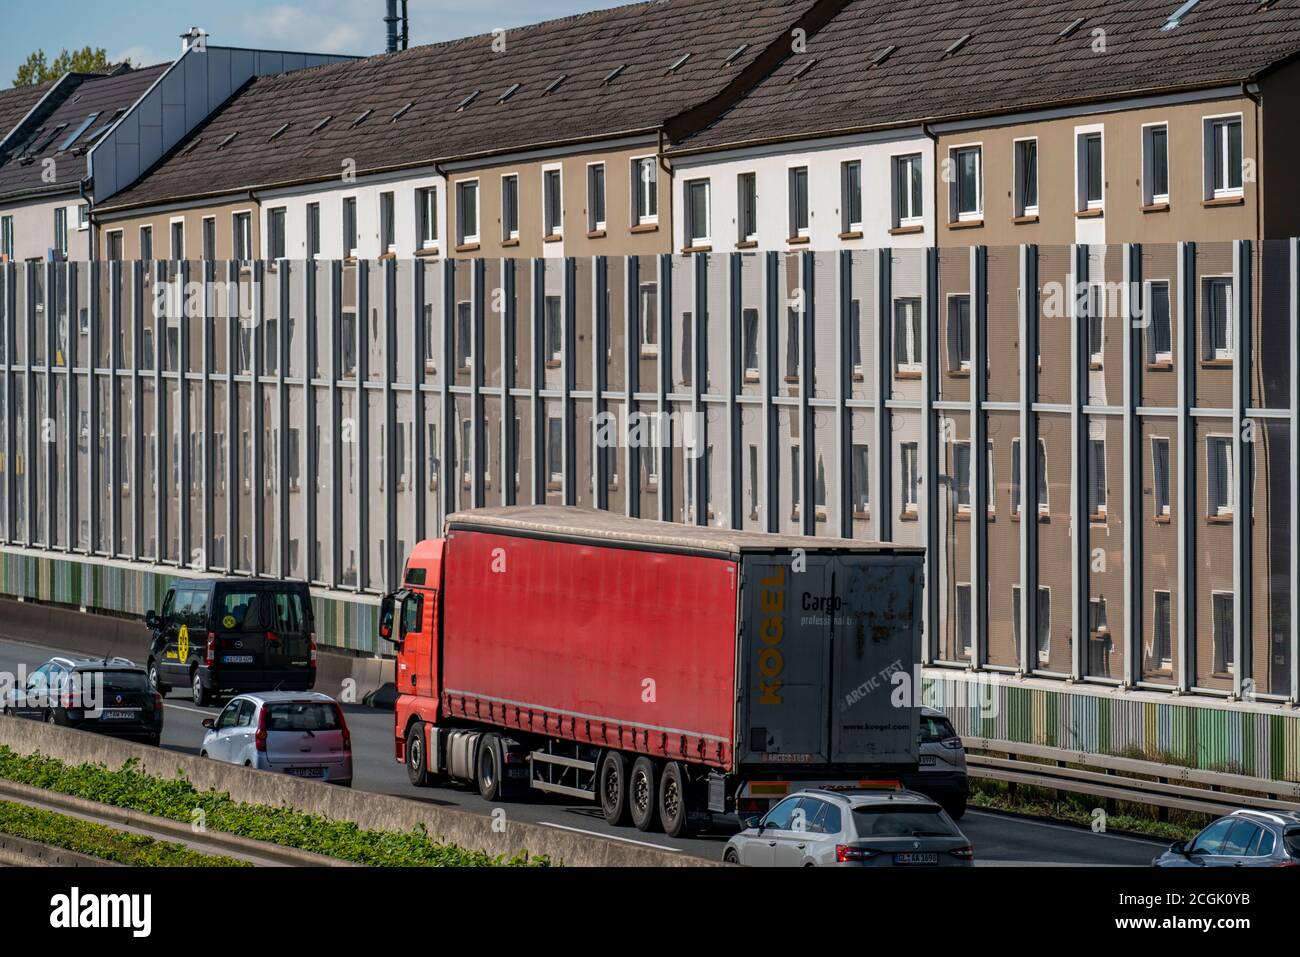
point(21, 174)
point(1014, 60)
point(645, 38)
point(16, 101)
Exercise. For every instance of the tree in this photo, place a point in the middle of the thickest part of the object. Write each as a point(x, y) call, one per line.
point(35, 69)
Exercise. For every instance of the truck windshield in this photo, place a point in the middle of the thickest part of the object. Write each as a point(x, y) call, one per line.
point(303, 716)
point(877, 821)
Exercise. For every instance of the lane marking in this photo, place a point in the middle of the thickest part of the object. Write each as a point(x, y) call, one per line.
point(181, 707)
point(610, 837)
point(1074, 830)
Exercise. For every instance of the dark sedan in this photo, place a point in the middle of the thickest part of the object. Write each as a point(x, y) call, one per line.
point(106, 695)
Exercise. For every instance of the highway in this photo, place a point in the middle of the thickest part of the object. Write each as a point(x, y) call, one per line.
point(998, 839)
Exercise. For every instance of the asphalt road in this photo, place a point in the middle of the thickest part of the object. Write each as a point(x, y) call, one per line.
point(998, 839)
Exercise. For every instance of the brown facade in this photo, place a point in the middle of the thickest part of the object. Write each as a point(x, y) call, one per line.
point(160, 223)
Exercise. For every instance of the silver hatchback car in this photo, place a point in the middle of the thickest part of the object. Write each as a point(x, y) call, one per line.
point(302, 733)
point(817, 827)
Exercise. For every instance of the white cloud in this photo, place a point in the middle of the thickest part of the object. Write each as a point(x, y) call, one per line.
point(142, 55)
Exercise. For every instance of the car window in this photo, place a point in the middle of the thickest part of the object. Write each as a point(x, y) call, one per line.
point(828, 820)
point(780, 816)
point(1240, 838)
point(805, 815)
point(290, 613)
point(1264, 844)
point(246, 711)
point(1292, 841)
point(1211, 839)
point(302, 716)
point(168, 603)
point(228, 716)
point(936, 728)
point(198, 613)
point(181, 611)
point(40, 677)
point(122, 680)
point(885, 821)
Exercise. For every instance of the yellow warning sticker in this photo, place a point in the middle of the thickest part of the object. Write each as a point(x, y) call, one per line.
point(183, 643)
point(228, 621)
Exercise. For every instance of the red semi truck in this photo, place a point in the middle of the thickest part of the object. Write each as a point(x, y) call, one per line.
point(668, 672)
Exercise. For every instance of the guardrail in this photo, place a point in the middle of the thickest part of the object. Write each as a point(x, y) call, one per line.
point(1167, 786)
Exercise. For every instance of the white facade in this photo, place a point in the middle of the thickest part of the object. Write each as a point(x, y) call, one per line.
point(876, 226)
point(32, 228)
point(367, 192)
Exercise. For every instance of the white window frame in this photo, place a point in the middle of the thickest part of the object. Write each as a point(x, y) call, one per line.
point(270, 211)
point(463, 238)
point(108, 234)
point(745, 236)
point(955, 214)
point(426, 211)
point(962, 509)
point(1017, 180)
point(965, 641)
point(1165, 510)
point(1081, 136)
point(910, 490)
point(648, 347)
point(1044, 622)
point(1101, 511)
point(914, 353)
point(595, 225)
point(641, 190)
point(796, 231)
point(1097, 314)
point(235, 236)
point(1045, 506)
point(1149, 196)
point(849, 224)
point(960, 365)
point(172, 223)
point(1230, 645)
point(1229, 352)
point(1165, 663)
point(1147, 299)
point(387, 196)
point(1216, 440)
point(511, 234)
point(1213, 151)
point(688, 216)
point(148, 228)
point(556, 231)
point(990, 485)
point(903, 203)
point(203, 234)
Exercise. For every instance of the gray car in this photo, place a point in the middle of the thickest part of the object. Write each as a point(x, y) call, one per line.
point(300, 733)
point(817, 827)
point(941, 774)
point(1245, 838)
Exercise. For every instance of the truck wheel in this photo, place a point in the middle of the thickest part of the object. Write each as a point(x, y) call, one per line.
point(200, 695)
point(674, 803)
point(417, 756)
point(643, 794)
point(487, 768)
point(611, 786)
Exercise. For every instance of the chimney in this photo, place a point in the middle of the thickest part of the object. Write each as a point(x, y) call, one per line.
point(397, 40)
point(196, 39)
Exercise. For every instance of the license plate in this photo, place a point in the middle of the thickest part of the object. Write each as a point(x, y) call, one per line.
point(120, 714)
point(928, 760)
point(306, 772)
point(237, 659)
point(916, 858)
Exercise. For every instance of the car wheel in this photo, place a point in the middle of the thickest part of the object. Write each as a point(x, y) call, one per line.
point(729, 856)
point(201, 695)
point(643, 794)
point(674, 803)
point(487, 769)
point(417, 765)
point(203, 754)
point(154, 740)
point(50, 718)
point(611, 785)
point(155, 679)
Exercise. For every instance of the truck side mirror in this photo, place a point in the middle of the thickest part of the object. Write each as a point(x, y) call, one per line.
point(387, 613)
point(151, 619)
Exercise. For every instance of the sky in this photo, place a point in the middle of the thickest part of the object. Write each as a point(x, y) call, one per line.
point(148, 31)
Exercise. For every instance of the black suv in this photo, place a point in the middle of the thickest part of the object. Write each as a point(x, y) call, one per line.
point(108, 695)
point(231, 635)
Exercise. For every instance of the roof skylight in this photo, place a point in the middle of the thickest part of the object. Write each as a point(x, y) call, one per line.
point(360, 119)
point(1177, 16)
point(467, 101)
point(511, 91)
point(957, 44)
point(612, 75)
point(883, 55)
point(555, 84)
point(735, 54)
point(1070, 30)
point(400, 113)
point(677, 64)
point(76, 133)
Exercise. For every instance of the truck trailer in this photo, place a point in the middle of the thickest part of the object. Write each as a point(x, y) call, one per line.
point(668, 672)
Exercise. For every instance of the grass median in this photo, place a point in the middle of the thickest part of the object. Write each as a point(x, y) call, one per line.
point(102, 841)
point(177, 799)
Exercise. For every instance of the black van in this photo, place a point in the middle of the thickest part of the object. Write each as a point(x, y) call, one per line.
point(232, 635)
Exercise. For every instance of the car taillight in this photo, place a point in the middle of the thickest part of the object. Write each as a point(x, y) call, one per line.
point(964, 853)
point(311, 645)
point(260, 738)
point(952, 744)
point(210, 651)
point(157, 701)
point(847, 854)
point(343, 726)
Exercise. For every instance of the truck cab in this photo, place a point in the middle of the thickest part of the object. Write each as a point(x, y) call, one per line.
point(409, 619)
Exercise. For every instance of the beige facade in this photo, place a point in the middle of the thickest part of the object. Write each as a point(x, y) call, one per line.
point(217, 225)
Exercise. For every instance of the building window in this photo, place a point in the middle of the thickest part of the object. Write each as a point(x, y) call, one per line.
point(426, 216)
point(554, 331)
point(1026, 177)
point(910, 469)
point(648, 299)
point(796, 478)
point(798, 201)
point(753, 481)
point(1097, 478)
point(350, 227)
point(961, 481)
point(851, 196)
point(1096, 325)
point(1219, 472)
point(114, 251)
point(275, 233)
point(964, 618)
point(595, 197)
point(1225, 652)
point(1044, 506)
point(959, 333)
point(1223, 157)
point(1162, 640)
point(1044, 625)
point(209, 238)
point(61, 231)
point(645, 191)
point(649, 452)
point(1155, 165)
point(749, 324)
point(467, 213)
point(909, 191)
point(1159, 324)
point(747, 207)
point(860, 477)
point(464, 336)
point(554, 452)
point(1089, 171)
point(510, 207)
point(792, 323)
point(146, 240)
point(907, 335)
point(466, 452)
point(855, 336)
point(1160, 475)
point(7, 236)
point(313, 230)
point(387, 224)
point(552, 201)
point(697, 212)
point(990, 483)
point(1217, 334)
point(178, 240)
point(967, 189)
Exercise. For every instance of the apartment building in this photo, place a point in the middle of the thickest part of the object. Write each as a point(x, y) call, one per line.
point(540, 141)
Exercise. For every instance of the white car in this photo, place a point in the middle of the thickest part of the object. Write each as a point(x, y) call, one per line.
point(302, 733)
